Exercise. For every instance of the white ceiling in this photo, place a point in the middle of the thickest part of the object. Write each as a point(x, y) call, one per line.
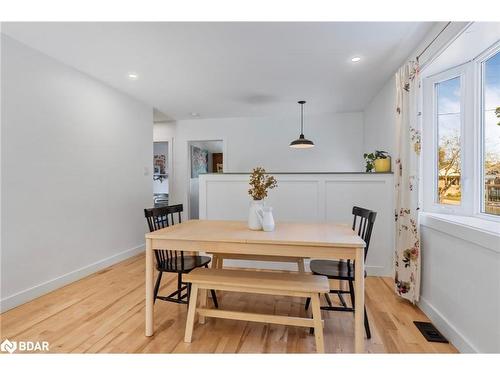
point(232, 69)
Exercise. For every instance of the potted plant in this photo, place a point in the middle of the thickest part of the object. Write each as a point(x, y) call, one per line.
point(260, 183)
point(378, 160)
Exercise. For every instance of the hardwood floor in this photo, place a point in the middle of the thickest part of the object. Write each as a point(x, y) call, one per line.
point(104, 313)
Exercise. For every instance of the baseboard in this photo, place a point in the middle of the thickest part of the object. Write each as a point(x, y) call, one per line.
point(29, 294)
point(379, 271)
point(446, 328)
point(371, 270)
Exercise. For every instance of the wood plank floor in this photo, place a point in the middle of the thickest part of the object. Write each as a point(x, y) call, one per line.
point(104, 313)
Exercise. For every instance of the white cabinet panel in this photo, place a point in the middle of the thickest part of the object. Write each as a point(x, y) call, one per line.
point(295, 200)
point(224, 200)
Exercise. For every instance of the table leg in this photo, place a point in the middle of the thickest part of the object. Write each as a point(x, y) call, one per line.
point(359, 308)
point(149, 288)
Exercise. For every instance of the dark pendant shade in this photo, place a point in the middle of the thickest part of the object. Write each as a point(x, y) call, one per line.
point(302, 142)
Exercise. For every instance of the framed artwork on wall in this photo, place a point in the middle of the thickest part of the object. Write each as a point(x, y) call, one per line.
point(199, 161)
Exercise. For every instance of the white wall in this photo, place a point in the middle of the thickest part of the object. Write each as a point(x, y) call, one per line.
point(164, 131)
point(315, 198)
point(380, 121)
point(461, 284)
point(74, 184)
point(263, 141)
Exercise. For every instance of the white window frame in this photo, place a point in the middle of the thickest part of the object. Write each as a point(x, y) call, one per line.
point(430, 142)
point(478, 74)
point(471, 139)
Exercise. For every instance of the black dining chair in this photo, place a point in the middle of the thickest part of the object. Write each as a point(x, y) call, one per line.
point(344, 270)
point(173, 261)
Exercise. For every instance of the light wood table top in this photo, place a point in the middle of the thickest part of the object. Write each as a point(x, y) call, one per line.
point(303, 234)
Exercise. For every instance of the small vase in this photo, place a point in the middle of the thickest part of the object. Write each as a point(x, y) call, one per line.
point(268, 220)
point(255, 215)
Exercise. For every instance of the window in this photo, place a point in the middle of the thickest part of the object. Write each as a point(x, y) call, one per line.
point(490, 135)
point(448, 122)
point(461, 138)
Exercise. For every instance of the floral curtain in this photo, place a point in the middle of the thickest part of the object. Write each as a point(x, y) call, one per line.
point(407, 249)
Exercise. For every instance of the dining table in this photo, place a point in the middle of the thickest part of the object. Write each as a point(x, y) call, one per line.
point(298, 240)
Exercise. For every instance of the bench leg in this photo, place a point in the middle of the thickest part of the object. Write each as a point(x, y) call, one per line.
point(203, 303)
point(191, 313)
point(318, 324)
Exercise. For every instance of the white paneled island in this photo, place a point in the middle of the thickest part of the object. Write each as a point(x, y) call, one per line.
point(309, 197)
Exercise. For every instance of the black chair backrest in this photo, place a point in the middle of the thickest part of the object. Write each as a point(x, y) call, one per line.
point(162, 217)
point(365, 225)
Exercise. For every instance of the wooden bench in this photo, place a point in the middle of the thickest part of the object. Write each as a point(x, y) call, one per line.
point(262, 282)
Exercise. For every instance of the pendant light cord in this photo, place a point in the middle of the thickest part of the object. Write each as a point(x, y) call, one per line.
point(301, 118)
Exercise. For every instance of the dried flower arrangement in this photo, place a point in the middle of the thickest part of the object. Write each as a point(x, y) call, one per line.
point(260, 182)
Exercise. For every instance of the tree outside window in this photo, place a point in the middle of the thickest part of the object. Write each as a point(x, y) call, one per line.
point(491, 132)
point(449, 149)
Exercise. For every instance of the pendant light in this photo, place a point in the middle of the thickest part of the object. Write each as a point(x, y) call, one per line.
point(302, 142)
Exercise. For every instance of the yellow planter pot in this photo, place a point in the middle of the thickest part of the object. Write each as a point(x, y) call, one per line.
point(383, 165)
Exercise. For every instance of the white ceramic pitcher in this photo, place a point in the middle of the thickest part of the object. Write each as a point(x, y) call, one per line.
point(267, 219)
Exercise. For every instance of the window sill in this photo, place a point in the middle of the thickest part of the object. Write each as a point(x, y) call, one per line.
point(479, 231)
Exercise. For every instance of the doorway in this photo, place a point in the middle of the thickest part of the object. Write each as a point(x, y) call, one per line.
point(160, 174)
point(204, 157)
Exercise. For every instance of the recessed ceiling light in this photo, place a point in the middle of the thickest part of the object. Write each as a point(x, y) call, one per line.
point(195, 114)
point(356, 59)
point(132, 76)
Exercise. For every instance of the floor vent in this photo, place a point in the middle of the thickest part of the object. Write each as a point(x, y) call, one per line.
point(430, 332)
